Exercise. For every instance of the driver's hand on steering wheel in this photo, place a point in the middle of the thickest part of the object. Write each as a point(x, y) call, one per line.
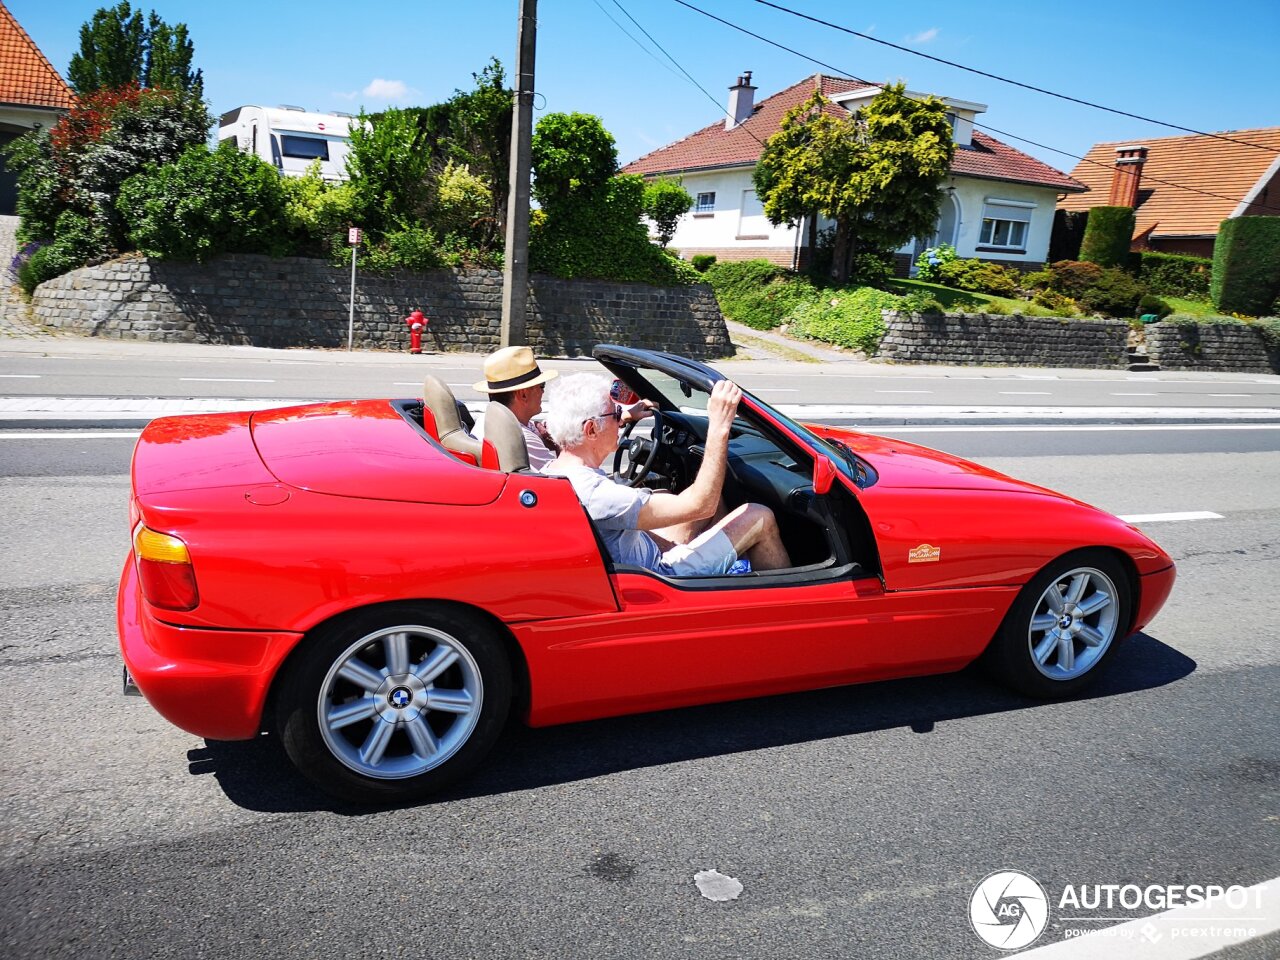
point(723, 406)
point(637, 411)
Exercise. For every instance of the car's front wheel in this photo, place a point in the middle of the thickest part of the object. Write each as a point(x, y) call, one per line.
point(1065, 625)
point(392, 704)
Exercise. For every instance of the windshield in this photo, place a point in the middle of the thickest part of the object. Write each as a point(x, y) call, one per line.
point(691, 399)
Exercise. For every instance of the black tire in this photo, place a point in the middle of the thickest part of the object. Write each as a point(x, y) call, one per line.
point(1062, 659)
point(396, 738)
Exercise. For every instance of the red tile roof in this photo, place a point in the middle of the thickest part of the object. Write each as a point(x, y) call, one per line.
point(714, 146)
point(26, 78)
point(1231, 170)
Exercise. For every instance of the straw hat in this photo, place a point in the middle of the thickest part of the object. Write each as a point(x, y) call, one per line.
point(512, 368)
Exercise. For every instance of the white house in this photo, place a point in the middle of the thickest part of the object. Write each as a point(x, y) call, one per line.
point(999, 202)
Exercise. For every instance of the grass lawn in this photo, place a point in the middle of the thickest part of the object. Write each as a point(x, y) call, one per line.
point(964, 301)
point(1195, 308)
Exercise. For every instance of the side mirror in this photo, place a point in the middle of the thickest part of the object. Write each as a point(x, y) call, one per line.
point(824, 474)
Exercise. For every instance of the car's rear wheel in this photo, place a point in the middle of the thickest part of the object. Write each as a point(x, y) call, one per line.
point(392, 704)
point(1065, 625)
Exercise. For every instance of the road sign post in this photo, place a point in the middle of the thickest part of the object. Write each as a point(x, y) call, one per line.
point(354, 236)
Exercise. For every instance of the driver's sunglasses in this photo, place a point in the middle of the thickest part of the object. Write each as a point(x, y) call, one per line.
point(616, 412)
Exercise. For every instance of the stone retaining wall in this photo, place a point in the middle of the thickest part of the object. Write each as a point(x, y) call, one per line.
point(971, 339)
point(1238, 347)
point(293, 302)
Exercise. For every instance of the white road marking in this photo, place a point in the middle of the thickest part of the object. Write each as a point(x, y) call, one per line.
point(19, 376)
point(1183, 933)
point(1172, 517)
point(222, 380)
point(883, 429)
point(69, 435)
point(1231, 394)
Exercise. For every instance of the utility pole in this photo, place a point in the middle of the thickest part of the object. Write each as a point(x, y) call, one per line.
point(515, 270)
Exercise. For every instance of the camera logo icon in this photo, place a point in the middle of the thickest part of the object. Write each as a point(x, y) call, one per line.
point(1008, 910)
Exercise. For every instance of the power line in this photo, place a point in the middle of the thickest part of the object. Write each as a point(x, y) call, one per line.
point(804, 56)
point(1016, 83)
point(681, 69)
point(633, 39)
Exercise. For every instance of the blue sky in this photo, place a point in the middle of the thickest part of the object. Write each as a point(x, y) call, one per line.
point(1201, 65)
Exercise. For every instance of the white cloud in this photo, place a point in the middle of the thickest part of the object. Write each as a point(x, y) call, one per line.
point(346, 96)
point(924, 36)
point(390, 90)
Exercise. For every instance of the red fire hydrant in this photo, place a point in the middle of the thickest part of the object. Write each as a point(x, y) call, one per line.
point(417, 323)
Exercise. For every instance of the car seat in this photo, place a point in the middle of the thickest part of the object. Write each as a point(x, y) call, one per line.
point(439, 403)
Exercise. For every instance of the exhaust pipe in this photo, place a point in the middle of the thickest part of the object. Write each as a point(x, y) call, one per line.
point(130, 688)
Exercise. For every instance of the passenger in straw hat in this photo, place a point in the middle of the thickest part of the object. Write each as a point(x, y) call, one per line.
point(513, 378)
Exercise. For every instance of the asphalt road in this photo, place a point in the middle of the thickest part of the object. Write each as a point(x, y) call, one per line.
point(858, 820)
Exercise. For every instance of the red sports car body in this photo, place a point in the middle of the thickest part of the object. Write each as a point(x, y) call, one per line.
point(333, 573)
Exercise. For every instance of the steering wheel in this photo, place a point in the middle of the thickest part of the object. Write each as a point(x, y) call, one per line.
point(641, 452)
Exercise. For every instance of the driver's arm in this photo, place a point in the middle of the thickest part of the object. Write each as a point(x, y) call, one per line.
point(699, 500)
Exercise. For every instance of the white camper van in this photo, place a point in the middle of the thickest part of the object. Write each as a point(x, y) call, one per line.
point(290, 138)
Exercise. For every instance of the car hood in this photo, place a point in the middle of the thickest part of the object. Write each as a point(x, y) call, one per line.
point(900, 465)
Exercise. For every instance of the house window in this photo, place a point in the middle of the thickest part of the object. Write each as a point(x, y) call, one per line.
point(706, 203)
point(304, 148)
point(1004, 224)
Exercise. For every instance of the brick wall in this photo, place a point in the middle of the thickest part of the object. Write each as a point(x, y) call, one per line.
point(261, 301)
point(1237, 347)
point(974, 339)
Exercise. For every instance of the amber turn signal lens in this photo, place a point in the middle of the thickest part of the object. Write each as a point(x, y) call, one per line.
point(160, 547)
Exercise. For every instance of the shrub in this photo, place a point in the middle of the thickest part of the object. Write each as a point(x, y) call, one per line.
point(702, 261)
point(757, 292)
point(600, 235)
point(317, 215)
point(205, 204)
point(1149, 304)
point(412, 248)
point(1072, 277)
point(931, 260)
point(1037, 280)
point(1107, 236)
point(870, 270)
point(1246, 265)
point(980, 277)
point(1175, 275)
point(846, 318)
point(78, 240)
point(1057, 302)
point(665, 202)
point(921, 301)
point(1114, 293)
point(463, 201)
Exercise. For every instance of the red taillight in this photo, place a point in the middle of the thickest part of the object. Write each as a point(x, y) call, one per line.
point(164, 570)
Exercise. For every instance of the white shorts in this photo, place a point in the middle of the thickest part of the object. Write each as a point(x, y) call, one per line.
point(709, 555)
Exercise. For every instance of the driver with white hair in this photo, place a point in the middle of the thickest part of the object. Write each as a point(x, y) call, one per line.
point(584, 420)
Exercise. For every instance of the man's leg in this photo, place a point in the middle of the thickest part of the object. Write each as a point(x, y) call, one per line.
point(753, 530)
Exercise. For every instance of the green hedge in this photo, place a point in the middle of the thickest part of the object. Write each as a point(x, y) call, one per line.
point(1107, 236)
point(757, 292)
point(1246, 265)
point(1174, 275)
point(849, 318)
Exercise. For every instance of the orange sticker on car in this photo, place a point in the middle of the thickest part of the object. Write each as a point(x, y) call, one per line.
point(924, 554)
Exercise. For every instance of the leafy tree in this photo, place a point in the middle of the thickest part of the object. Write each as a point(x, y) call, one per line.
point(204, 204)
point(876, 173)
point(117, 48)
point(79, 165)
point(573, 154)
point(390, 165)
point(665, 202)
point(589, 224)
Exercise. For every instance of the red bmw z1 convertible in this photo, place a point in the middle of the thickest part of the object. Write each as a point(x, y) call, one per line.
point(380, 590)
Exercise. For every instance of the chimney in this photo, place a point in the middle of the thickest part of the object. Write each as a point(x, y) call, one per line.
point(741, 101)
point(1127, 176)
